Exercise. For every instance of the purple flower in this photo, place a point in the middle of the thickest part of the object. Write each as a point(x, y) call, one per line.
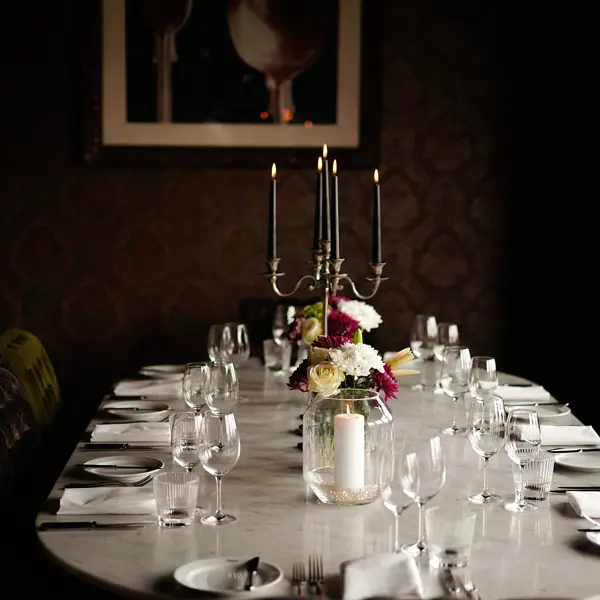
point(385, 382)
point(335, 300)
point(299, 378)
point(330, 341)
point(340, 324)
point(295, 331)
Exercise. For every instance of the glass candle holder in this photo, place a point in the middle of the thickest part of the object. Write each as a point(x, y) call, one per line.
point(345, 435)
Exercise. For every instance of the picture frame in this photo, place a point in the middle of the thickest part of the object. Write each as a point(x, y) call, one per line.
point(121, 127)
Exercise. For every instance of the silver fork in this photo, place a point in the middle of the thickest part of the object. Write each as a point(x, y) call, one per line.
point(111, 483)
point(315, 574)
point(298, 579)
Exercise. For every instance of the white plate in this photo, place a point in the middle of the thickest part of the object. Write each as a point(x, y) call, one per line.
point(136, 410)
point(544, 412)
point(588, 462)
point(219, 575)
point(593, 537)
point(142, 466)
point(163, 371)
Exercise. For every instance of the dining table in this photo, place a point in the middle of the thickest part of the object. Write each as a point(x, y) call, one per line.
point(536, 554)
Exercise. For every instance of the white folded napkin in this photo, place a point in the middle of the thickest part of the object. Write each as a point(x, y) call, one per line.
point(533, 393)
point(585, 502)
point(569, 435)
point(107, 501)
point(148, 387)
point(381, 575)
point(122, 433)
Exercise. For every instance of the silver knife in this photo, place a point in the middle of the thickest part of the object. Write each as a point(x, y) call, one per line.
point(53, 525)
point(117, 446)
point(572, 450)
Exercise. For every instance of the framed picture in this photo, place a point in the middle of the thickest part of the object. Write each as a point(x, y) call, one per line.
point(239, 83)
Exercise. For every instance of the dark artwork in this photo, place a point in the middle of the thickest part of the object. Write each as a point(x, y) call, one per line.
point(236, 61)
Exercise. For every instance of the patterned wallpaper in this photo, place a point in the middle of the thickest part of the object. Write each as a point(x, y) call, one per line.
point(113, 267)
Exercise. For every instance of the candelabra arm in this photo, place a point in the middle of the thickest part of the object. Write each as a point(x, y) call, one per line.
point(273, 274)
point(375, 280)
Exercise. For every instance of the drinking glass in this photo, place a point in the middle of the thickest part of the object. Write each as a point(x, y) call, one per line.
point(195, 382)
point(176, 493)
point(217, 342)
point(391, 490)
point(185, 432)
point(219, 453)
point(423, 475)
point(522, 442)
point(423, 338)
point(236, 343)
point(223, 387)
point(454, 377)
point(447, 335)
point(486, 430)
point(483, 380)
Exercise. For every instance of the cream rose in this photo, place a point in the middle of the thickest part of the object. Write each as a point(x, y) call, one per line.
point(318, 355)
point(324, 377)
point(311, 330)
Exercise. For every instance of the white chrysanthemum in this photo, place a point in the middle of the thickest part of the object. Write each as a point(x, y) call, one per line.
point(368, 318)
point(356, 359)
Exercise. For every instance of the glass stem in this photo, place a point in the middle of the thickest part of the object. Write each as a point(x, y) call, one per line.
point(521, 502)
point(396, 532)
point(421, 543)
point(485, 493)
point(454, 425)
point(219, 513)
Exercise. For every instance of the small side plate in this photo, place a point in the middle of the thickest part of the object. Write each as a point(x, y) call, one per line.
point(142, 466)
point(587, 462)
point(593, 537)
point(136, 410)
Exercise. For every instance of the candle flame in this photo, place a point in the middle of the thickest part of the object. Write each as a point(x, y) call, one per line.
point(320, 164)
point(325, 151)
point(335, 167)
point(376, 176)
point(348, 409)
point(273, 171)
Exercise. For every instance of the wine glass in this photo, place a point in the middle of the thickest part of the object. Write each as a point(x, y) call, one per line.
point(217, 340)
point(487, 424)
point(423, 339)
point(219, 453)
point(390, 488)
point(282, 319)
point(236, 343)
point(522, 442)
point(195, 381)
point(454, 378)
point(185, 431)
point(423, 475)
point(223, 387)
point(447, 335)
point(483, 380)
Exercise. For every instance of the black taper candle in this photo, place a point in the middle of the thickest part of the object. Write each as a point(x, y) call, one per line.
point(272, 234)
point(318, 206)
point(376, 258)
point(326, 231)
point(335, 217)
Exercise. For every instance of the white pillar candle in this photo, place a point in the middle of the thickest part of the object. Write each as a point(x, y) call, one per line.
point(349, 450)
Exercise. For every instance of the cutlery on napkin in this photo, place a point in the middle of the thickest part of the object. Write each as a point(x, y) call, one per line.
point(533, 393)
point(142, 432)
point(381, 575)
point(148, 387)
point(107, 501)
point(57, 525)
point(569, 435)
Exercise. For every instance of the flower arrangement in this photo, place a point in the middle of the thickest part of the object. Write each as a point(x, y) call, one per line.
point(344, 318)
point(336, 362)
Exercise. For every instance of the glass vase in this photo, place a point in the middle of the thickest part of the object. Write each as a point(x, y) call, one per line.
point(345, 435)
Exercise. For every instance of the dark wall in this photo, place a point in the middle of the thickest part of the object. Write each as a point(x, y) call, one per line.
point(114, 267)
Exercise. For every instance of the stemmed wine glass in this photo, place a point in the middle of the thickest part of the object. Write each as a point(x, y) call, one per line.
point(483, 380)
point(522, 442)
point(487, 424)
point(185, 431)
point(196, 377)
point(423, 475)
point(454, 378)
point(282, 319)
point(217, 335)
point(223, 387)
point(447, 335)
point(423, 339)
point(391, 490)
point(219, 453)
point(236, 343)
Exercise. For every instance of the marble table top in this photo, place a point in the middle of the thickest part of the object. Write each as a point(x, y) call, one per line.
point(537, 554)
